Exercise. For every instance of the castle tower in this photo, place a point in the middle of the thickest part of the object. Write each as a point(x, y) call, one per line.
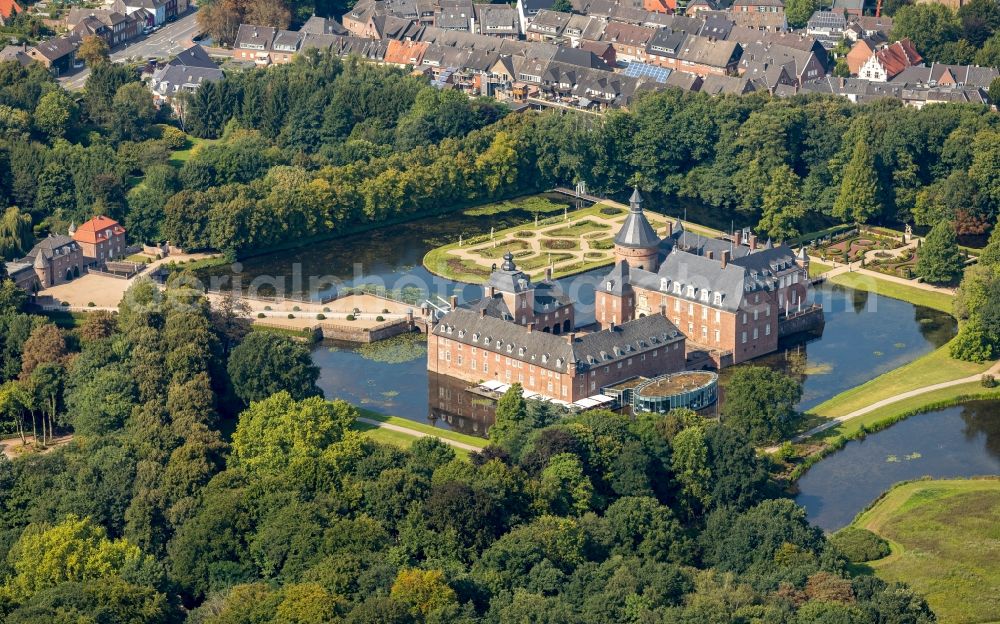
point(42, 270)
point(637, 242)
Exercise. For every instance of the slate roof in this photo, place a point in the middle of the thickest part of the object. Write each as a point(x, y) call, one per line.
point(195, 56)
point(53, 245)
point(553, 352)
point(704, 51)
point(941, 74)
point(496, 18)
point(170, 79)
point(316, 25)
point(55, 48)
point(636, 232)
point(250, 37)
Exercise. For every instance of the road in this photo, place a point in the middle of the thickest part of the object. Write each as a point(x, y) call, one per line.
point(419, 434)
point(169, 40)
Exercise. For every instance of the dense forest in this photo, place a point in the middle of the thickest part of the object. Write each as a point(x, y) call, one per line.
point(322, 146)
point(153, 514)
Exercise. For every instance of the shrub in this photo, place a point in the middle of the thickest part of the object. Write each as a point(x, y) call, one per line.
point(785, 452)
point(610, 211)
point(268, 308)
point(385, 310)
point(173, 138)
point(296, 309)
point(989, 381)
point(326, 309)
point(859, 544)
point(291, 316)
point(261, 315)
point(320, 317)
point(91, 304)
point(65, 304)
point(524, 233)
point(380, 318)
point(350, 317)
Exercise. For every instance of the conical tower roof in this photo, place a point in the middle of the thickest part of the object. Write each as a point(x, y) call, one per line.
point(636, 232)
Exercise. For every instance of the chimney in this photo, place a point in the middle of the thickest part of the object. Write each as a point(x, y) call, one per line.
point(482, 312)
point(725, 258)
point(531, 327)
point(753, 242)
point(711, 255)
point(491, 291)
point(663, 309)
point(453, 301)
point(548, 273)
point(738, 237)
point(571, 337)
point(670, 228)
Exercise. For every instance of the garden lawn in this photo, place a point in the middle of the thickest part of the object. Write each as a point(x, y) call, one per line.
point(439, 432)
point(179, 157)
point(945, 544)
point(932, 368)
point(953, 395)
point(918, 296)
point(818, 268)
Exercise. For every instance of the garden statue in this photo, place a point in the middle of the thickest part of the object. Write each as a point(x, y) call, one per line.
point(459, 240)
point(491, 233)
point(536, 219)
point(907, 234)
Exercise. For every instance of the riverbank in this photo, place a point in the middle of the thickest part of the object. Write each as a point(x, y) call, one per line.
point(943, 536)
point(402, 432)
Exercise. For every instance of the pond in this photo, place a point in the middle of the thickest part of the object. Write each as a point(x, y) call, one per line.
point(961, 441)
point(865, 334)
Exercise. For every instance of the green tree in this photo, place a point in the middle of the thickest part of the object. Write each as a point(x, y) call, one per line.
point(858, 201)
point(510, 417)
point(563, 489)
point(15, 234)
point(783, 206)
point(563, 6)
point(939, 260)
point(425, 591)
point(277, 431)
point(929, 26)
point(798, 12)
point(266, 363)
point(133, 112)
point(689, 463)
point(55, 114)
point(760, 403)
point(73, 550)
point(995, 85)
point(985, 169)
point(93, 51)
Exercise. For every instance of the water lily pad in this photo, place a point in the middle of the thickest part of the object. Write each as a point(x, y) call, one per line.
point(892, 459)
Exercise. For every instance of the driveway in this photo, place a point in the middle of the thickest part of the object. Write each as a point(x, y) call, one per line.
point(174, 37)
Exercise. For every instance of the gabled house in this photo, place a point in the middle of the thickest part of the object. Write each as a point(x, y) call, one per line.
point(601, 49)
point(58, 54)
point(286, 45)
point(185, 73)
point(694, 7)
point(456, 15)
point(887, 62)
point(630, 42)
point(405, 53)
point(696, 55)
point(801, 65)
point(849, 7)
point(16, 53)
point(828, 26)
point(766, 15)
point(316, 25)
point(160, 10)
point(582, 28)
point(101, 239)
point(253, 43)
point(496, 20)
point(528, 9)
point(547, 26)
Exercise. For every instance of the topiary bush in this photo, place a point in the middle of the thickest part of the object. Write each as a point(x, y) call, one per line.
point(291, 316)
point(261, 315)
point(385, 310)
point(859, 545)
point(326, 309)
point(350, 317)
point(989, 381)
point(268, 308)
point(91, 304)
point(320, 317)
point(296, 309)
point(380, 318)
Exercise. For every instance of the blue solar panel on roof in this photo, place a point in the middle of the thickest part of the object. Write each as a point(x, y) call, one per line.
point(644, 70)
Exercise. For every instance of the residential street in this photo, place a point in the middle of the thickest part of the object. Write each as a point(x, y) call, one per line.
point(171, 39)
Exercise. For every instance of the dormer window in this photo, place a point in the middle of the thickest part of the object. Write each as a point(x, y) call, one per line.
point(718, 298)
point(499, 344)
point(609, 285)
point(510, 348)
point(475, 337)
point(520, 351)
point(690, 291)
point(704, 295)
point(545, 358)
point(461, 333)
point(677, 288)
point(559, 362)
point(664, 284)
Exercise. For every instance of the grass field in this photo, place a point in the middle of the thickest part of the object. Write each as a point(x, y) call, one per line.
point(945, 542)
point(934, 367)
point(919, 296)
point(440, 432)
point(818, 268)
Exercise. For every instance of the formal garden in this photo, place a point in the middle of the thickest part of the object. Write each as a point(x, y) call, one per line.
point(568, 241)
point(853, 244)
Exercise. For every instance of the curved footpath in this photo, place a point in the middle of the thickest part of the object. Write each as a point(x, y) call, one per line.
point(833, 422)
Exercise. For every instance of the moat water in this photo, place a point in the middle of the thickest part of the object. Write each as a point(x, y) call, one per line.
point(865, 334)
point(961, 441)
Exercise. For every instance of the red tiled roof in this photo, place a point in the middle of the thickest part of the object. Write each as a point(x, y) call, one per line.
point(405, 52)
point(9, 7)
point(96, 230)
point(898, 56)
